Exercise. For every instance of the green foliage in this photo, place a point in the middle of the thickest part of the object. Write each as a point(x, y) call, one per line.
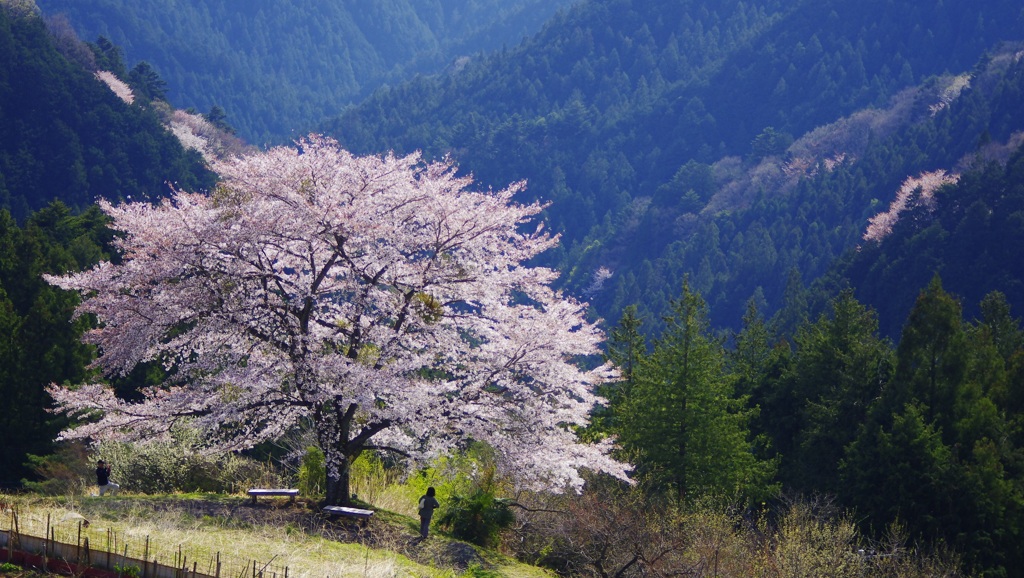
point(838, 370)
point(937, 450)
point(972, 233)
point(127, 570)
point(626, 347)
point(313, 473)
point(682, 424)
point(770, 143)
point(146, 83)
point(8, 567)
point(476, 514)
point(179, 465)
point(370, 477)
point(470, 492)
point(281, 66)
point(67, 136)
point(39, 339)
point(476, 570)
point(646, 134)
point(67, 471)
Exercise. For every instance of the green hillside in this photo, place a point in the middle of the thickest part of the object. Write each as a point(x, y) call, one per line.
point(646, 124)
point(279, 67)
point(65, 140)
point(65, 135)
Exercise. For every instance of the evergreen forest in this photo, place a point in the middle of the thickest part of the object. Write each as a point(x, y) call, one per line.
point(800, 221)
point(685, 138)
point(278, 67)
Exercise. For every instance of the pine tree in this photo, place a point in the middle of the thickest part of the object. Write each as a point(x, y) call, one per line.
point(841, 366)
point(682, 424)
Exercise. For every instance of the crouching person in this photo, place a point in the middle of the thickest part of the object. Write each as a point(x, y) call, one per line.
point(103, 479)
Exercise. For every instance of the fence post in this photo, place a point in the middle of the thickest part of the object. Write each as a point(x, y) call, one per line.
point(145, 559)
point(218, 566)
point(46, 538)
point(10, 537)
point(17, 528)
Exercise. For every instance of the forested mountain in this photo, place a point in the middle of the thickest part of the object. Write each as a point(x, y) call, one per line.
point(731, 141)
point(277, 67)
point(65, 139)
point(65, 135)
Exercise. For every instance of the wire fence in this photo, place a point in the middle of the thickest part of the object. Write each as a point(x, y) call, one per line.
point(73, 539)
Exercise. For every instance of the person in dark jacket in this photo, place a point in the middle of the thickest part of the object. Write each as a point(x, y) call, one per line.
point(103, 479)
point(428, 503)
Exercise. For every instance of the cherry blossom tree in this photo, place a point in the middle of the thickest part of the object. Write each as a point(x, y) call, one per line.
point(379, 300)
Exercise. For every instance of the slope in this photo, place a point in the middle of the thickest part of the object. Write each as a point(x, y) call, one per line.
point(277, 67)
point(65, 135)
point(964, 218)
point(631, 117)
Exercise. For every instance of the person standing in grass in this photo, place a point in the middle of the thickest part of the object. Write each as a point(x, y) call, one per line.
point(103, 479)
point(428, 503)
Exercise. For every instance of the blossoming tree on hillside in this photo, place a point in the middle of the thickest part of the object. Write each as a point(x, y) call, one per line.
point(378, 299)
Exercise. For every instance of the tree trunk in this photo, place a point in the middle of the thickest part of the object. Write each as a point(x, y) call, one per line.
point(338, 455)
point(341, 450)
point(338, 493)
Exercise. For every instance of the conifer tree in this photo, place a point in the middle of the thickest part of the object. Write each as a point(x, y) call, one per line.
point(682, 424)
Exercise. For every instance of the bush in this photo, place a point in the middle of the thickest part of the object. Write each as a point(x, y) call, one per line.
point(66, 471)
point(179, 464)
point(470, 507)
point(313, 473)
point(479, 517)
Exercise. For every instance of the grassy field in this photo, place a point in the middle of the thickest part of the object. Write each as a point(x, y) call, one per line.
point(274, 533)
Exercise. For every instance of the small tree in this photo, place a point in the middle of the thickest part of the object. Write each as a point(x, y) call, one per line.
point(376, 298)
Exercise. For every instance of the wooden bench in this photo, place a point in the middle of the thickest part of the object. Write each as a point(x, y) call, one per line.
point(257, 492)
point(362, 515)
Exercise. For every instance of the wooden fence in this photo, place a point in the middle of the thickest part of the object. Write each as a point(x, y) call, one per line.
point(73, 543)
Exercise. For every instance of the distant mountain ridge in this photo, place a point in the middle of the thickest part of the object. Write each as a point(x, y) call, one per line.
point(645, 124)
point(278, 67)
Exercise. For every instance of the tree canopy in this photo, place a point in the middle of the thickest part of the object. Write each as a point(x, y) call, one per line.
point(378, 300)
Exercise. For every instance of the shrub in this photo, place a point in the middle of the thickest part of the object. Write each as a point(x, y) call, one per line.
point(313, 473)
point(66, 471)
point(179, 464)
point(479, 517)
point(470, 507)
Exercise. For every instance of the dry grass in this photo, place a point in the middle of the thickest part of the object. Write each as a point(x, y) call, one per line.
point(283, 536)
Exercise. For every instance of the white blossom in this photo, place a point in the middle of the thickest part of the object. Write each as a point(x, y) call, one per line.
point(924, 184)
point(118, 86)
point(379, 298)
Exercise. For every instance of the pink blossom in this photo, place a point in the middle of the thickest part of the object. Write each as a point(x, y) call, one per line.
point(926, 183)
point(381, 299)
point(118, 86)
